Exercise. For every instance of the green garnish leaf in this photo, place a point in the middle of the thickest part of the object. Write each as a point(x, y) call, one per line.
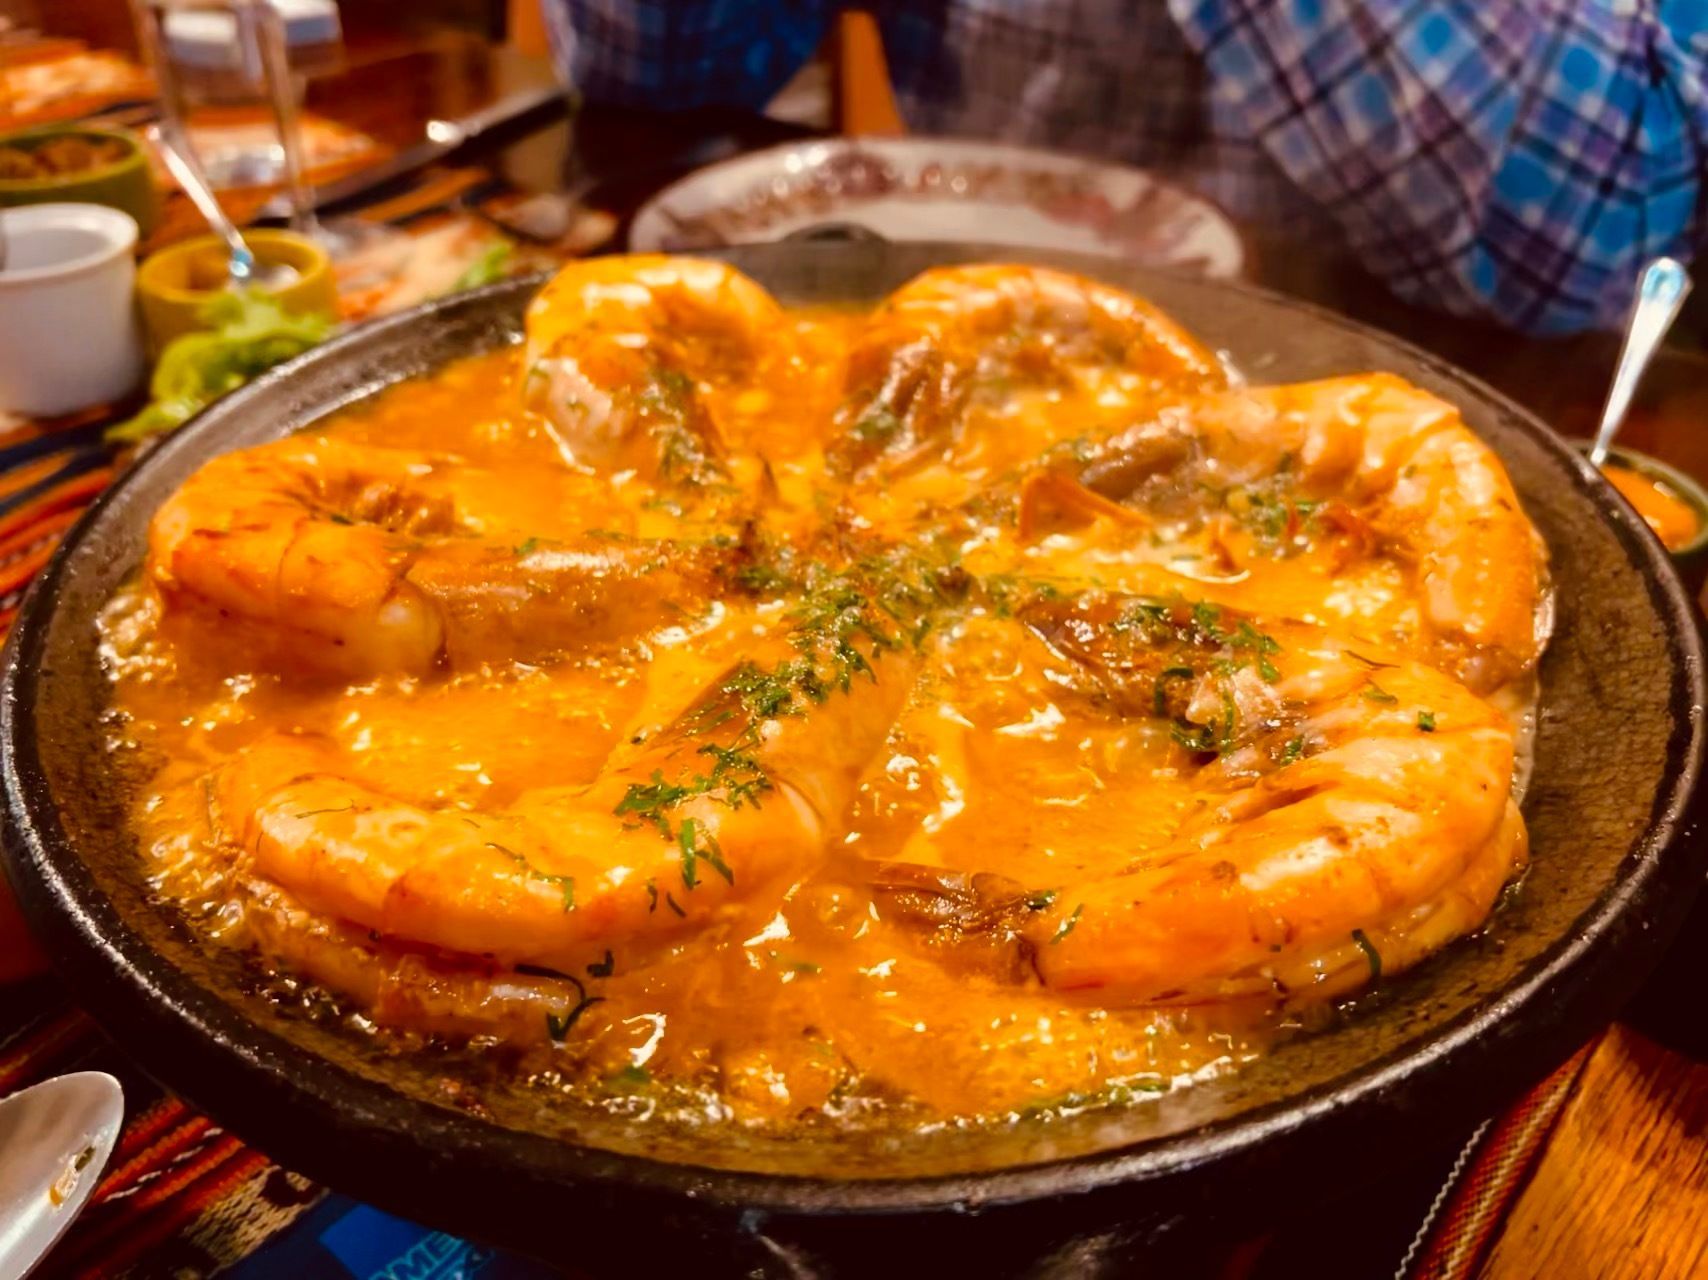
point(1370, 954)
point(1426, 721)
point(1208, 619)
point(558, 1025)
point(1159, 695)
point(1375, 693)
point(878, 426)
point(246, 333)
point(1067, 926)
point(565, 884)
point(315, 813)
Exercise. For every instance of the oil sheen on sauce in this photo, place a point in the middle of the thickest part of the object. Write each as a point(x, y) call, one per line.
point(810, 998)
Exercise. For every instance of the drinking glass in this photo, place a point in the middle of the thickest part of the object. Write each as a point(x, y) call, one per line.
point(229, 52)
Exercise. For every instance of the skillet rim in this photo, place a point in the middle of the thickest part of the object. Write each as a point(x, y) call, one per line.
point(133, 987)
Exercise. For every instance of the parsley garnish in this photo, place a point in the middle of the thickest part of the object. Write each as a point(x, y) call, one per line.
point(565, 884)
point(1426, 721)
point(558, 1025)
point(695, 850)
point(1067, 925)
point(1370, 953)
point(1164, 677)
point(878, 426)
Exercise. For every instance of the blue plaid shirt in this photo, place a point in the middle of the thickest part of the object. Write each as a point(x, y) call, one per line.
point(1518, 159)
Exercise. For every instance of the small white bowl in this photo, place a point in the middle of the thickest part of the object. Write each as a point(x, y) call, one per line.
point(69, 336)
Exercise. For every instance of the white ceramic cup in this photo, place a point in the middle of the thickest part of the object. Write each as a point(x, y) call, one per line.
point(69, 335)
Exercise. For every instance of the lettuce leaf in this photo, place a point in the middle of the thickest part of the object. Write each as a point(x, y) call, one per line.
point(249, 333)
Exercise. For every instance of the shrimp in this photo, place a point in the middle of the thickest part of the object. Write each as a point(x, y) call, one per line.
point(1357, 815)
point(359, 560)
point(747, 785)
point(1400, 473)
point(956, 341)
point(639, 362)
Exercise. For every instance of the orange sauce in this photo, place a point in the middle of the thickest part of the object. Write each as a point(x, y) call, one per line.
point(1673, 520)
point(806, 998)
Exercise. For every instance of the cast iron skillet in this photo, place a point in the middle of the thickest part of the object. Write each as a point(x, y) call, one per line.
point(1619, 750)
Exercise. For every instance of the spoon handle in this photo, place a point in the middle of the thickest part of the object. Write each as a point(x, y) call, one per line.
point(1660, 293)
point(181, 160)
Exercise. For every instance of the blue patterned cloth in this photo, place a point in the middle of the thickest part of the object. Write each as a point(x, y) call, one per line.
point(1517, 159)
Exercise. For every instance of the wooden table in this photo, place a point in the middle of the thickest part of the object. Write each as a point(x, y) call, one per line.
point(1622, 1187)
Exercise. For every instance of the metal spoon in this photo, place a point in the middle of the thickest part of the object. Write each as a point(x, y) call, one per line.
point(54, 1140)
point(241, 267)
point(1661, 291)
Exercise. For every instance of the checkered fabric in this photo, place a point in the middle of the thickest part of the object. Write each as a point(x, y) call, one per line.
point(1517, 159)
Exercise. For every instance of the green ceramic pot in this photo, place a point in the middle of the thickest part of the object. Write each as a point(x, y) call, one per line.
point(126, 184)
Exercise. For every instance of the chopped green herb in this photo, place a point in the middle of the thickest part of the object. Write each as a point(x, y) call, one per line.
point(1194, 737)
point(694, 851)
point(1368, 662)
point(1292, 751)
point(649, 800)
point(527, 547)
point(879, 426)
point(1370, 954)
point(315, 813)
point(565, 884)
point(761, 578)
point(1426, 721)
point(1041, 900)
point(1208, 619)
point(338, 517)
point(1167, 675)
point(737, 777)
point(558, 1025)
point(1067, 926)
point(1248, 639)
point(1375, 693)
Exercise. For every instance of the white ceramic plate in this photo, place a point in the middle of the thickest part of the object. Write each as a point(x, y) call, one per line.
point(942, 189)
